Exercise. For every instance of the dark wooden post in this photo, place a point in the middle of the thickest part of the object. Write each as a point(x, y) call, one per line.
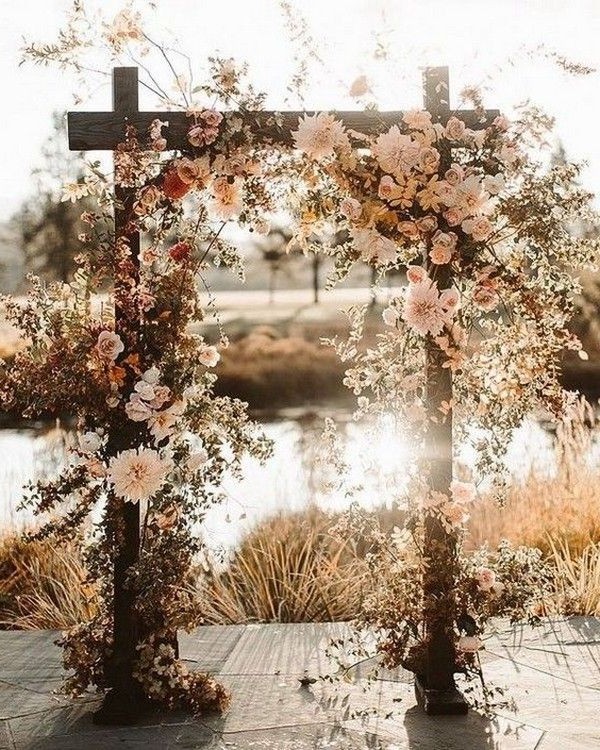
point(436, 690)
point(122, 703)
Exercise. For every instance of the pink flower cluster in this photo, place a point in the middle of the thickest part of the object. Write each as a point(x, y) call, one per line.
point(427, 310)
point(205, 130)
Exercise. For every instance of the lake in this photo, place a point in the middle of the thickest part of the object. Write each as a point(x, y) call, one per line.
point(295, 476)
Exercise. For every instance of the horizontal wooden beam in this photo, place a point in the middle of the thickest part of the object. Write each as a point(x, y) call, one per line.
point(103, 131)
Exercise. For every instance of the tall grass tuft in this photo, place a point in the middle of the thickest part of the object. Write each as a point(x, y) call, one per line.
point(270, 371)
point(289, 569)
point(561, 506)
point(42, 585)
point(576, 580)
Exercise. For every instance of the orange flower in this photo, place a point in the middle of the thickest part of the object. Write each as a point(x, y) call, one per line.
point(117, 375)
point(133, 360)
point(173, 186)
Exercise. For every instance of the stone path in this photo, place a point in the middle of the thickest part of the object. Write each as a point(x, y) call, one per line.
point(552, 672)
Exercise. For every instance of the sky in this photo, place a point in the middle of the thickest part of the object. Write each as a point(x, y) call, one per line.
point(492, 43)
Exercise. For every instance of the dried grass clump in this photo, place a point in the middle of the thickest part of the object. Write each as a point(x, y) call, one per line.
point(42, 585)
point(559, 514)
point(564, 507)
point(576, 580)
point(267, 371)
point(289, 569)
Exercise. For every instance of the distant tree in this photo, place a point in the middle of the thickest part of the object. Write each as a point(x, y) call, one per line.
point(277, 253)
point(47, 227)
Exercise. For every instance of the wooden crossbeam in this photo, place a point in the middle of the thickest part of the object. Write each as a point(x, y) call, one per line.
point(104, 131)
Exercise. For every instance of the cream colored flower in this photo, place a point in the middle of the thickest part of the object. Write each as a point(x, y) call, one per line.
point(470, 195)
point(89, 442)
point(486, 579)
point(152, 375)
point(425, 311)
point(319, 135)
point(162, 424)
point(144, 390)
point(138, 474)
point(208, 355)
point(396, 152)
point(73, 191)
point(494, 184)
point(374, 247)
point(137, 409)
point(227, 201)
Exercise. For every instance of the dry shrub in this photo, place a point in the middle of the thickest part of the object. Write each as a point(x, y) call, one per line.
point(289, 569)
point(42, 584)
point(576, 580)
point(564, 507)
point(558, 513)
point(267, 371)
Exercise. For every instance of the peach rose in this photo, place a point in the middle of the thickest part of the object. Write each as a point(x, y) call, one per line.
point(455, 129)
point(429, 159)
point(187, 171)
point(351, 208)
point(440, 255)
point(454, 175)
point(386, 187)
point(417, 118)
point(409, 229)
point(453, 216)
point(427, 224)
point(416, 274)
point(109, 345)
point(147, 201)
point(211, 117)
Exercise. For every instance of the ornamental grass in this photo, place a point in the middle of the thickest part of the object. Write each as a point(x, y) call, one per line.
point(289, 569)
point(267, 370)
point(42, 585)
point(554, 510)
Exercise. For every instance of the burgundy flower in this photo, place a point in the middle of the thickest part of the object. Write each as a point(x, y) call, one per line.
point(180, 252)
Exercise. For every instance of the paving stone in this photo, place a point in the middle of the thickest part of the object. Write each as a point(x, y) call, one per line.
point(551, 673)
point(6, 741)
point(412, 730)
point(210, 646)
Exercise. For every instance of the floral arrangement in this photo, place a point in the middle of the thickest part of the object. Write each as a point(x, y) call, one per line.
point(487, 236)
point(115, 351)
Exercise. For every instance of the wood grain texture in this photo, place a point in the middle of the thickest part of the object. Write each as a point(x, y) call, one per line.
point(103, 131)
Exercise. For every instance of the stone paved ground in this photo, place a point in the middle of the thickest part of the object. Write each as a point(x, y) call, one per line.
point(553, 673)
